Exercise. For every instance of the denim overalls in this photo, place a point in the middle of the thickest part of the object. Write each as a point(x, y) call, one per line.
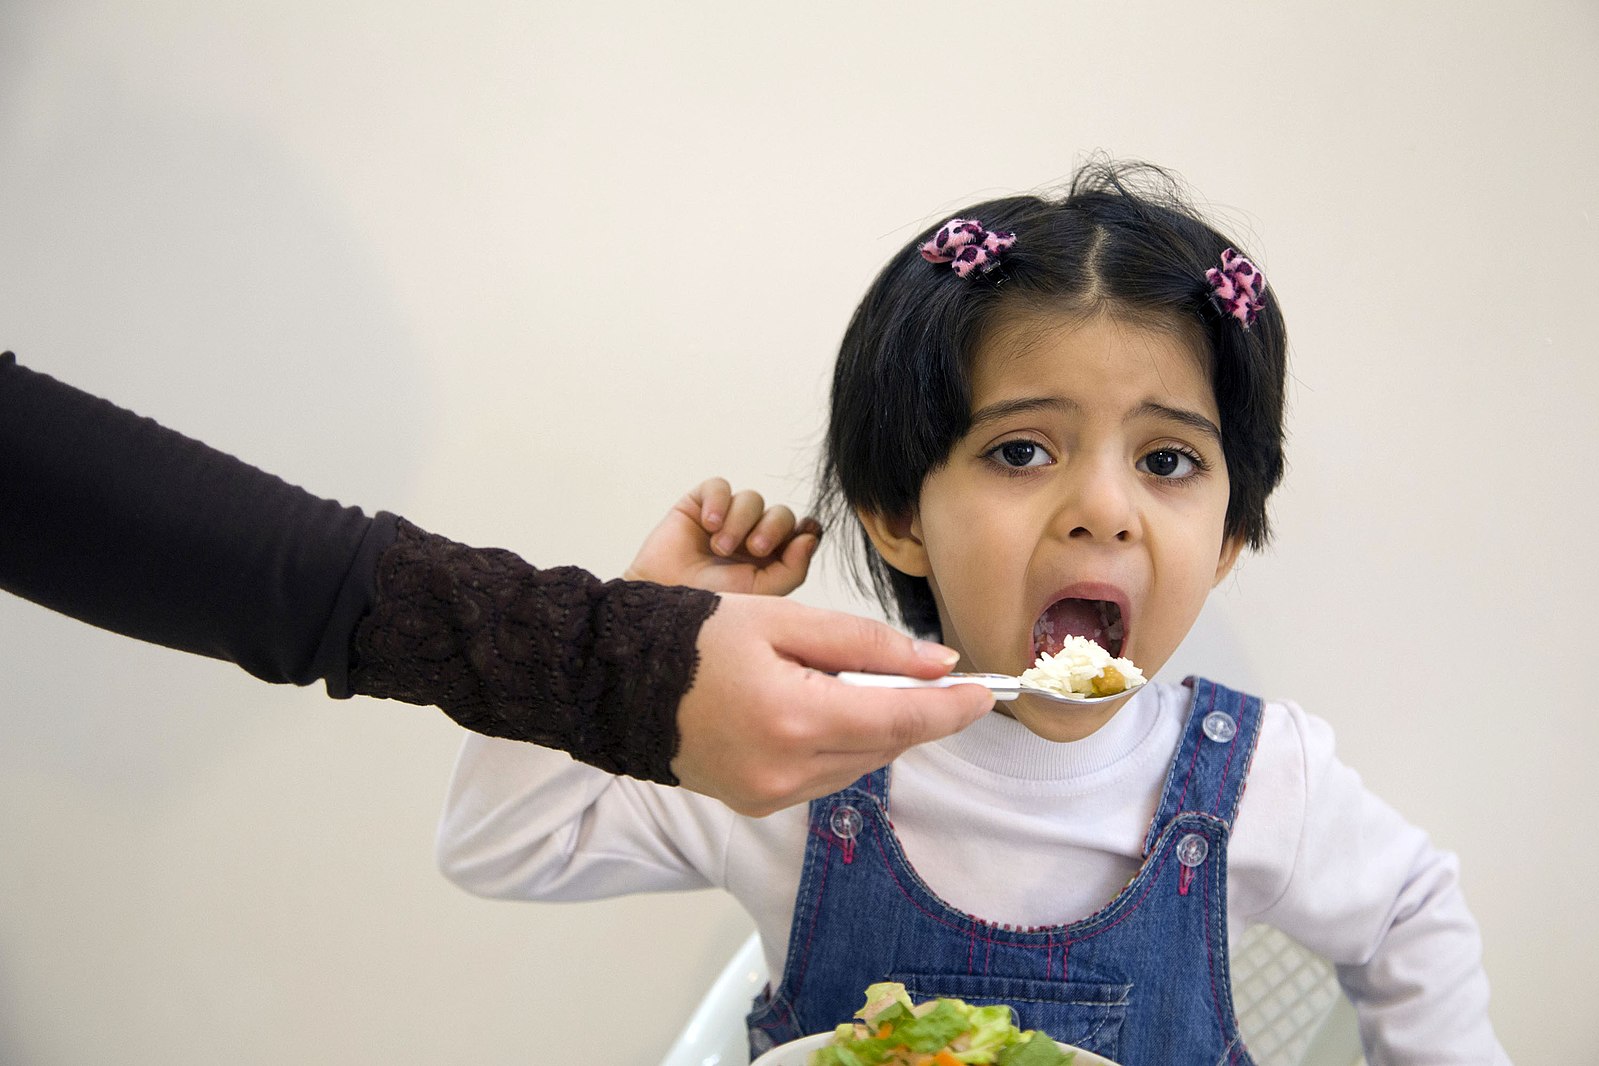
point(1143, 982)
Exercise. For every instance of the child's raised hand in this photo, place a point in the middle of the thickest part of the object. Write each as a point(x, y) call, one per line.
point(716, 539)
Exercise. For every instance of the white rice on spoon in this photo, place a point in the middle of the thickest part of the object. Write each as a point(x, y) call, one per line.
point(1082, 668)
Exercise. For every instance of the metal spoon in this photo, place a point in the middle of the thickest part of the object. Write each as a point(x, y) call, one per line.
point(1003, 686)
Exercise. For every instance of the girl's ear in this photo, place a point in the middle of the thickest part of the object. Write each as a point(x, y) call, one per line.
point(898, 539)
point(1230, 549)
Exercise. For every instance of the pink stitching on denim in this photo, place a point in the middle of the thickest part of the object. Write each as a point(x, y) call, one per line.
point(882, 801)
point(1210, 955)
point(1154, 879)
point(816, 913)
point(979, 932)
point(787, 1016)
point(1232, 746)
point(1065, 950)
point(1194, 758)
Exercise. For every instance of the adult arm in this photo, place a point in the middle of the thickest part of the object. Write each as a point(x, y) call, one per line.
point(116, 520)
point(120, 522)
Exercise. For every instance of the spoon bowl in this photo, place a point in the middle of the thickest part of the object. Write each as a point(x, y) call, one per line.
point(1003, 686)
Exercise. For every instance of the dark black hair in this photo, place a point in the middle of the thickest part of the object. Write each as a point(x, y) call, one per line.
point(1121, 239)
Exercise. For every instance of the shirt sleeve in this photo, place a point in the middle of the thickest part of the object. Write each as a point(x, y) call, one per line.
point(1370, 892)
point(113, 519)
point(529, 823)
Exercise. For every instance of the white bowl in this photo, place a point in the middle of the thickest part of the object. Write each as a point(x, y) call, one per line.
point(797, 1052)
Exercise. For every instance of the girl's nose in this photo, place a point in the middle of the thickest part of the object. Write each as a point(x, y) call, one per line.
point(1097, 503)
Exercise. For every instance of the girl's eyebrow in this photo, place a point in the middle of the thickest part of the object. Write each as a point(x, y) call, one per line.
point(1005, 408)
point(1149, 408)
point(1192, 419)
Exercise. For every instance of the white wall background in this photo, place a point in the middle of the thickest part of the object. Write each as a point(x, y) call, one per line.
point(523, 272)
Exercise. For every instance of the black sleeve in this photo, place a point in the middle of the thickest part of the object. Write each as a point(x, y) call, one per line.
point(115, 520)
point(555, 657)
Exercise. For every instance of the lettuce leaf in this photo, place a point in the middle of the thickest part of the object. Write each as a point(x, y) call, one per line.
point(935, 1029)
point(1034, 1049)
point(990, 1034)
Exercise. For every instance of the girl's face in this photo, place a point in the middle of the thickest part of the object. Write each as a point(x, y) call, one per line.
point(1089, 497)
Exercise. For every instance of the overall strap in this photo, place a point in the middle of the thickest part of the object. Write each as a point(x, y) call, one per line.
point(1208, 772)
point(835, 819)
point(875, 785)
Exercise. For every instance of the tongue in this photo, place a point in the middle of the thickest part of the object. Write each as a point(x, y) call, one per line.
point(1070, 618)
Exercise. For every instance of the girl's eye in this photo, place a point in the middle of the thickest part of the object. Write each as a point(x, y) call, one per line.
point(1170, 463)
point(1021, 453)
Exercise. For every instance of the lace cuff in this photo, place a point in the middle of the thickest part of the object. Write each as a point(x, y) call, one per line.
point(555, 657)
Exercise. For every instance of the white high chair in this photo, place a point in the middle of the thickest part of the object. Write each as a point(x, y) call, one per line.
point(715, 1033)
point(1288, 1004)
point(1287, 1001)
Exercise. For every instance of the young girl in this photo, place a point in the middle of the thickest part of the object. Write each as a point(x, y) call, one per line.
point(1050, 416)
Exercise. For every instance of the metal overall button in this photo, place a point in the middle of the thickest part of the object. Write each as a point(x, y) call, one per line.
point(1192, 849)
point(1220, 727)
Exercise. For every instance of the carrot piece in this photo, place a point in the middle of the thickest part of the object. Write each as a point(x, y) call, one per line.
point(944, 1058)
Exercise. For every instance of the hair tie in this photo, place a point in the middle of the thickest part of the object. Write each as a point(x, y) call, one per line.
point(1239, 287)
point(966, 246)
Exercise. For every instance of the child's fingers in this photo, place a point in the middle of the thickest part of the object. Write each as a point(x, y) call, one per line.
point(712, 498)
point(743, 513)
point(787, 573)
point(771, 532)
point(779, 575)
point(801, 546)
point(798, 551)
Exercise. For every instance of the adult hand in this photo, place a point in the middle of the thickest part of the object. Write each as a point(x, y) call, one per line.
point(765, 725)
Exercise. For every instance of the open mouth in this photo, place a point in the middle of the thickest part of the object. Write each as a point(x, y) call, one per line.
point(1098, 620)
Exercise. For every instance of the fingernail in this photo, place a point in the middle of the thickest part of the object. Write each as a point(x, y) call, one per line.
point(725, 545)
point(936, 653)
point(758, 546)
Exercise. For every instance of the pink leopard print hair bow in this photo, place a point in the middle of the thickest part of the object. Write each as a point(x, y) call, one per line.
point(1239, 287)
point(966, 246)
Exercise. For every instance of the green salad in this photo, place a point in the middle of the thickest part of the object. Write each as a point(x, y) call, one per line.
point(892, 1031)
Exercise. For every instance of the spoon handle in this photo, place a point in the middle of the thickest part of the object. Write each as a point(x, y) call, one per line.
point(1003, 686)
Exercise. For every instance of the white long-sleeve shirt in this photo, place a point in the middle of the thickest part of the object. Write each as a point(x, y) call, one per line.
point(1312, 852)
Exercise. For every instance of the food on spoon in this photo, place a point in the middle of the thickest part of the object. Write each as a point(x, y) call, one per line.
point(1082, 669)
point(940, 1032)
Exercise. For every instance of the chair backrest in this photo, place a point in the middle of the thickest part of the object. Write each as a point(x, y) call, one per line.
point(1287, 1000)
point(1289, 1006)
point(715, 1033)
